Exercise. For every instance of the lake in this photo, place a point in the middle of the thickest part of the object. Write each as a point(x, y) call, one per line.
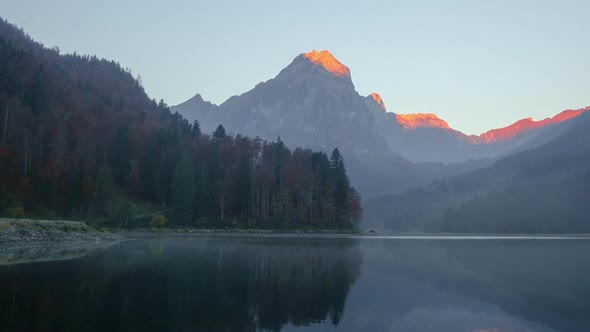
point(219, 283)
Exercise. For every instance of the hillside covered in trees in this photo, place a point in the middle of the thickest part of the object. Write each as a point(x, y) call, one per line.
point(80, 139)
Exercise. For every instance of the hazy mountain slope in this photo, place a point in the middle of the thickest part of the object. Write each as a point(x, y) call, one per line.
point(539, 190)
point(205, 111)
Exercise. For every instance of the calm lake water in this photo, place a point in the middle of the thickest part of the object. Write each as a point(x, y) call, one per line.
point(253, 283)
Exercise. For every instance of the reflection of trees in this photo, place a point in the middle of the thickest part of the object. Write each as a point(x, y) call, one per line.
point(198, 285)
point(302, 286)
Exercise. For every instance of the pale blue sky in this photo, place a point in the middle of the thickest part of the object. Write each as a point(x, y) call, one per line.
point(477, 64)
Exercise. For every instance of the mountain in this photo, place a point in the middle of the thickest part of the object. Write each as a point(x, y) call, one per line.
point(541, 190)
point(313, 103)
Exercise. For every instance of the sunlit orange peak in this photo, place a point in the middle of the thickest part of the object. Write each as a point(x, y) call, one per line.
point(417, 120)
point(328, 61)
point(377, 98)
point(503, 134)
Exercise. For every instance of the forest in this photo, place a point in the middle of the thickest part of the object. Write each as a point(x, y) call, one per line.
point(81, 140)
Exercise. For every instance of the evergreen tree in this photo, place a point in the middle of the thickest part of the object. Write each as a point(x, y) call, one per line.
point(75, 200)
point(280, 155)
point(219, 133)
point(341, 184)
point(121, 154)
point(196, 128)
point(183, 189)
point(40, 93)
point(149, 171)
point(216, 177)
point(243, 187)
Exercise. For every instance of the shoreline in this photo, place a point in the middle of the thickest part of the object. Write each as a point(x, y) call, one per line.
point(331, 234)
point(33, 231)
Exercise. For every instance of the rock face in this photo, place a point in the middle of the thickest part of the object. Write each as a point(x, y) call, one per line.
point(377, 98)
point(421, 120)
point(313, 103)
point(326, 60)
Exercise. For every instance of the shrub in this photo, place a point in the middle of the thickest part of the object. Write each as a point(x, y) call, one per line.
point(158, 221)
point(203, 221)
point(15, 212)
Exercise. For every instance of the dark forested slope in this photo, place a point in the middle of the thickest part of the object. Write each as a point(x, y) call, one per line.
point(80, 139)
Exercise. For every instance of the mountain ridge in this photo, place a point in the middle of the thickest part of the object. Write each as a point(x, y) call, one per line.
point(323, 63)
point(430, 120)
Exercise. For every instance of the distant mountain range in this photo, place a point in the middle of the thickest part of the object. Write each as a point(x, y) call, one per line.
point(540, 190)
point(313, 103)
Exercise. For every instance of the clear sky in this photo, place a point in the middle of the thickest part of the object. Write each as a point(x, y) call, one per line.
point(476, 64)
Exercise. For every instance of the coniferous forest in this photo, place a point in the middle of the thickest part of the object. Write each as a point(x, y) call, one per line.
point(81, 140)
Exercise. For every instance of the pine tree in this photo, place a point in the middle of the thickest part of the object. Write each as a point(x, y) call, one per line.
point(341, 185)
point(281, 153)
point(219, 133)
point(196, 128)
point(183, 189)
point(121, 154)
point(243, 187)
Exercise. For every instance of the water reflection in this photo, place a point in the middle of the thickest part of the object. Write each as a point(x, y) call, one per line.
point(250, 284)
point(19, 253)
point(466, 286)
point(184, 285)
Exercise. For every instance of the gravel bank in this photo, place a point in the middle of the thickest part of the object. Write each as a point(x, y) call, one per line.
point(12, 230)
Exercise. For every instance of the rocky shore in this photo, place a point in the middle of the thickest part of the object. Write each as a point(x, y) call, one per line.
point(20, 230)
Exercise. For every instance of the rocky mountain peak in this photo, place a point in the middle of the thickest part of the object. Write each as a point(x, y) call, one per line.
point(418, 120)
point(327, 61)
point(377, 98)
